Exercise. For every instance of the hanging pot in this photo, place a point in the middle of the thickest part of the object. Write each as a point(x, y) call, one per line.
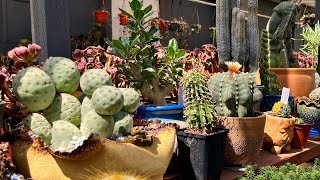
point(101, 16)
point(124, 19)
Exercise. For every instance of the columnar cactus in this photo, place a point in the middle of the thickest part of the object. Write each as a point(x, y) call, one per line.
point(199, 108)
point(235, 93)
point(281, 109)
point(131, 99)
point(234, 41)
point(39, 125)
point(93, 79)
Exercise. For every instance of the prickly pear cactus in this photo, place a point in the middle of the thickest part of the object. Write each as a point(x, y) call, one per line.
point(123, 123)
point(280, 109)
point(39, 125)
point(66, 137)
point(93, 122)
point(199, 108)
point(131, 99)
point(64, 73)
point(93, 79)
point(34, 88)
point(107, 100)
point(315, 95)
point(86, 106)
point(235, 93)
point(64, 107)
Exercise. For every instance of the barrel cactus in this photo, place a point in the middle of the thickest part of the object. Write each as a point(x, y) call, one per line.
point(199, 108)
point(93, 79)
point(131, 99)
point(64, 73)
point(234, 92)
point(107, 100)
point(34, 88)
point(281, 109)
point(39, 125)
point(93, 122)
point(315, 95)
point(123, 123)
point(64, 107)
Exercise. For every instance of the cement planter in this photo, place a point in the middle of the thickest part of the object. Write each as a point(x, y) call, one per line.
point(245, 138)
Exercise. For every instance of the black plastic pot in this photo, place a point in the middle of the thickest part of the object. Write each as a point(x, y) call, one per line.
point(201, 157)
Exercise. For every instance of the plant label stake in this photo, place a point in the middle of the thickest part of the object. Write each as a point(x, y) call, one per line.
point(285, 95)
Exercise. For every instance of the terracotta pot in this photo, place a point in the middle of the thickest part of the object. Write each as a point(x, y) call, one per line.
point(98, 159)
point(301, 81)
point(101, 16)
point(278, 134)
point(300, 137)
point(124, 19)
point(245, 138)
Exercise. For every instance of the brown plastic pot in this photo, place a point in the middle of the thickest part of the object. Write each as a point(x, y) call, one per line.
point(101, 16)
point(124, 19)
point(300, 137)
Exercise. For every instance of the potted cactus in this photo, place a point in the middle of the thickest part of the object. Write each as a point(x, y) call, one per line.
point(201, 146)
point(301, 133)
point(101, 15)
point(278, 131)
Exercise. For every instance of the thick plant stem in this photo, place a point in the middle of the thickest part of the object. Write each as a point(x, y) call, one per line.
point(223, 31)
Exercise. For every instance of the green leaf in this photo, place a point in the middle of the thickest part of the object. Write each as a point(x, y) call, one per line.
point(147, 9)
point(138, 14)
point(134, 41)
point(173, 44)
point(125, 12)
point(150, 70)
point(135, 5)
point(146, 16)
point(152, 30)
point(171, 51)
point(106, 40)
point(180, 54)
point(117, 44)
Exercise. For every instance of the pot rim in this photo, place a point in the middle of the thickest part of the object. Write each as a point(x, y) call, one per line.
point(259, 115)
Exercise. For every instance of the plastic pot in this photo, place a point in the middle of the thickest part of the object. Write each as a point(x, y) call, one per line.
point(101, 16)
point(164, 113)
point(124, 19)
point(300, 137)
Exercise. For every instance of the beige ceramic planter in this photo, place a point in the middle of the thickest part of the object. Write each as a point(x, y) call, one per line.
point(245, 138)
point(278, 134)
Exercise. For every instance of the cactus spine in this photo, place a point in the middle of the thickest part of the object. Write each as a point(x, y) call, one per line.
point(230, 21)
point(281, 109)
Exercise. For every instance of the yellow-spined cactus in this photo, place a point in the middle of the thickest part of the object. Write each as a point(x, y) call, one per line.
point(281, 109)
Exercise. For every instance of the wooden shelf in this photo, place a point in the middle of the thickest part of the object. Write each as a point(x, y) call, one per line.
point(265, 158)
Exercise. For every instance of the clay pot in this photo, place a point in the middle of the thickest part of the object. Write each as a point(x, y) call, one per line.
point(278, 134)
point(301, 81)
point(245, 138)
point(300, 137)
point(124, 19)
point(310, 111)
point(101, 16)
point(102, 159)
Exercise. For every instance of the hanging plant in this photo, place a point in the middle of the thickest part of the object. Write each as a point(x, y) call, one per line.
point(124, 19)
point(195, 28)
point(101, 15)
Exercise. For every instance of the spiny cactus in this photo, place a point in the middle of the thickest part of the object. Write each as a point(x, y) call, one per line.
point(235, 93)
point(281, 109)
point(315, 95)
point(235, 37)
point(39, 125)
point(92, 79)
point(140, 136)
point(268, 79)
point(199, 108)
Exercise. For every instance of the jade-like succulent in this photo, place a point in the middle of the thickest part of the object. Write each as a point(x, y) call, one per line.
point(199, 107)
point(234, 92)
point(131, 99)
point(34, 88)
point(64, 107)
point(93, 79)
point(93, 122)
point(64, 73)
point(107, 100)
point(123, 122)
point(86, 106)
point(66, 137)
point(315, 95)
point(281, 109)
point(39, 125)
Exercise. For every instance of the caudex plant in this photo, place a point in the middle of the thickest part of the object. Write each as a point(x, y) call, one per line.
point(154, 71)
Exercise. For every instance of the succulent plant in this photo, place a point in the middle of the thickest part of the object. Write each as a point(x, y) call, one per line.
point(39, 125)
point(86, 106)
point(315, 95)
point(199, 108)
point(65, 136)
point(140, 137)
point(131, 99)
point(93, 122)
point(281, 109)
point(298, 121)
point(64, 73)
point(235, 93)
point(34, 88)
point(64, 107)
point(123, 122)
point(93, 79)
point(107, 100)
point(6, 164)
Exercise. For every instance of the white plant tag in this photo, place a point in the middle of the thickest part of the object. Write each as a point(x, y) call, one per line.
point(285, 95)
point(180, 95)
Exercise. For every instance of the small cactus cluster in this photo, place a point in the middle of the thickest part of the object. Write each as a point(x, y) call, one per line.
point(281, 109)
point(199, 108)
point(6, 164)
point(59, 118)
point(238, 39)
point(140, 137)
point(234, 92)
point(315, 95)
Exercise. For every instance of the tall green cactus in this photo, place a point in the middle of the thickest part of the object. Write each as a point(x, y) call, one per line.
point(234, 92)
point(199, 109)
point(238, 39)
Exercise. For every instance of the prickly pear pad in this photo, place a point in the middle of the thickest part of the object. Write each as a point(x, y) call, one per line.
point(107, 100)
point(34, 88)
point(93, 79)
